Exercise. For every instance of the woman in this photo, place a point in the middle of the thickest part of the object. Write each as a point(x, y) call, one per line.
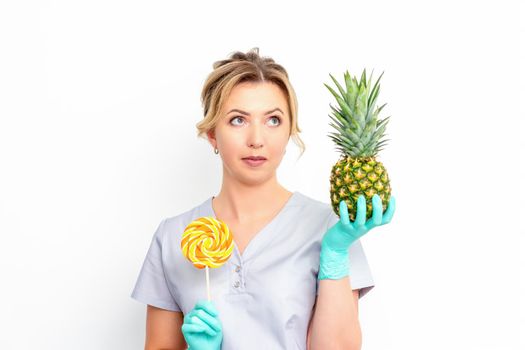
point(297, 271)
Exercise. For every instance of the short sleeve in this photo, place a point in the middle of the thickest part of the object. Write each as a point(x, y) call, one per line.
point(151, 286)
point(359, 270)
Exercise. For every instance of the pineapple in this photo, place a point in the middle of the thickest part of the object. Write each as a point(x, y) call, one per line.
point(358, 138)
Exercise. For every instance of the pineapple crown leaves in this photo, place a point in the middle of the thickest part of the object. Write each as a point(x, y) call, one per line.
point(358, 128)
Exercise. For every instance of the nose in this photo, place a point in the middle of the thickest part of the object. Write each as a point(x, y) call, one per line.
point(255, 137)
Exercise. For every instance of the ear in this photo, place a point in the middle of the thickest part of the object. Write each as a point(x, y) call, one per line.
point(211, 137)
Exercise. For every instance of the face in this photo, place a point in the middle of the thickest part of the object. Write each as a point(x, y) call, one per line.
point(254, 122)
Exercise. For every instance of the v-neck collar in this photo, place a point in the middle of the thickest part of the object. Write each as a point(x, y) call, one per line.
point(260, 235)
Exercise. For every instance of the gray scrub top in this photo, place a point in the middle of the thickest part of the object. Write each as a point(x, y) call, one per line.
point(264, 296)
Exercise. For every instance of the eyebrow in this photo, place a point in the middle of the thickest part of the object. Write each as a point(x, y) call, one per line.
point(246, 113)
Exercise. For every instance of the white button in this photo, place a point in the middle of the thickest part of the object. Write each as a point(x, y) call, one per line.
point(238, 268)
point(237, 284)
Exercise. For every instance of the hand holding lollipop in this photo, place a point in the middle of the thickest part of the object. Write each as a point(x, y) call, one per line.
point(206, 242)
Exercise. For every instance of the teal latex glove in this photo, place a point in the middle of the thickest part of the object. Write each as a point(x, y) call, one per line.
point(337, 240)
point(202, 328)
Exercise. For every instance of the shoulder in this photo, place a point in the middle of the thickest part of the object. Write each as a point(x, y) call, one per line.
point(315, 208)
point(176, 224)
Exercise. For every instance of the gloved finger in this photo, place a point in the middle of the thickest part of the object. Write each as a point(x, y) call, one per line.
point(196, 320)
point(192, 328)
point(361, 211)
point(208, 307)
point(377, 212)
point(188, 316)
point(343, 213)
point(209, 320)
point(389, 213)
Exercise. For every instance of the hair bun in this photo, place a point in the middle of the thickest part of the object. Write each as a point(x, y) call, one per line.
point(251, 56)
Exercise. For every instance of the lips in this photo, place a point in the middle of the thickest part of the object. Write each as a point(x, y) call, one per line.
point(255, 158)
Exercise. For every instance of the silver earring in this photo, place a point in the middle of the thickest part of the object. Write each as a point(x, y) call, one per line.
point(216, 151)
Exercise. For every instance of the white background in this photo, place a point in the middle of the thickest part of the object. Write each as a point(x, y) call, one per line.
point(98, 106)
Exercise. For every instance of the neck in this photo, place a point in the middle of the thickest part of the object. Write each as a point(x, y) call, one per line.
point(241, 202)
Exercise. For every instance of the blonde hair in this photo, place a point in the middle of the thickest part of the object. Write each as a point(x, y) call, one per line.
point(245, 67)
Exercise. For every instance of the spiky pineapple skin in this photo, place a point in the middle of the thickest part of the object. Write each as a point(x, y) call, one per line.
point(352, 177)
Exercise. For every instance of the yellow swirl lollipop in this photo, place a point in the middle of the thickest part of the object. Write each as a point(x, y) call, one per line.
point(207, 242)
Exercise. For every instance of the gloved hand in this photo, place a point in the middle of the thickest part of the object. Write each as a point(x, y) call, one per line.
point(202, 328)
point(337, 240)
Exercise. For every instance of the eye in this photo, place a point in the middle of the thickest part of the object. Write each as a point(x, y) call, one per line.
point(277, 118)
point(236, 117)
